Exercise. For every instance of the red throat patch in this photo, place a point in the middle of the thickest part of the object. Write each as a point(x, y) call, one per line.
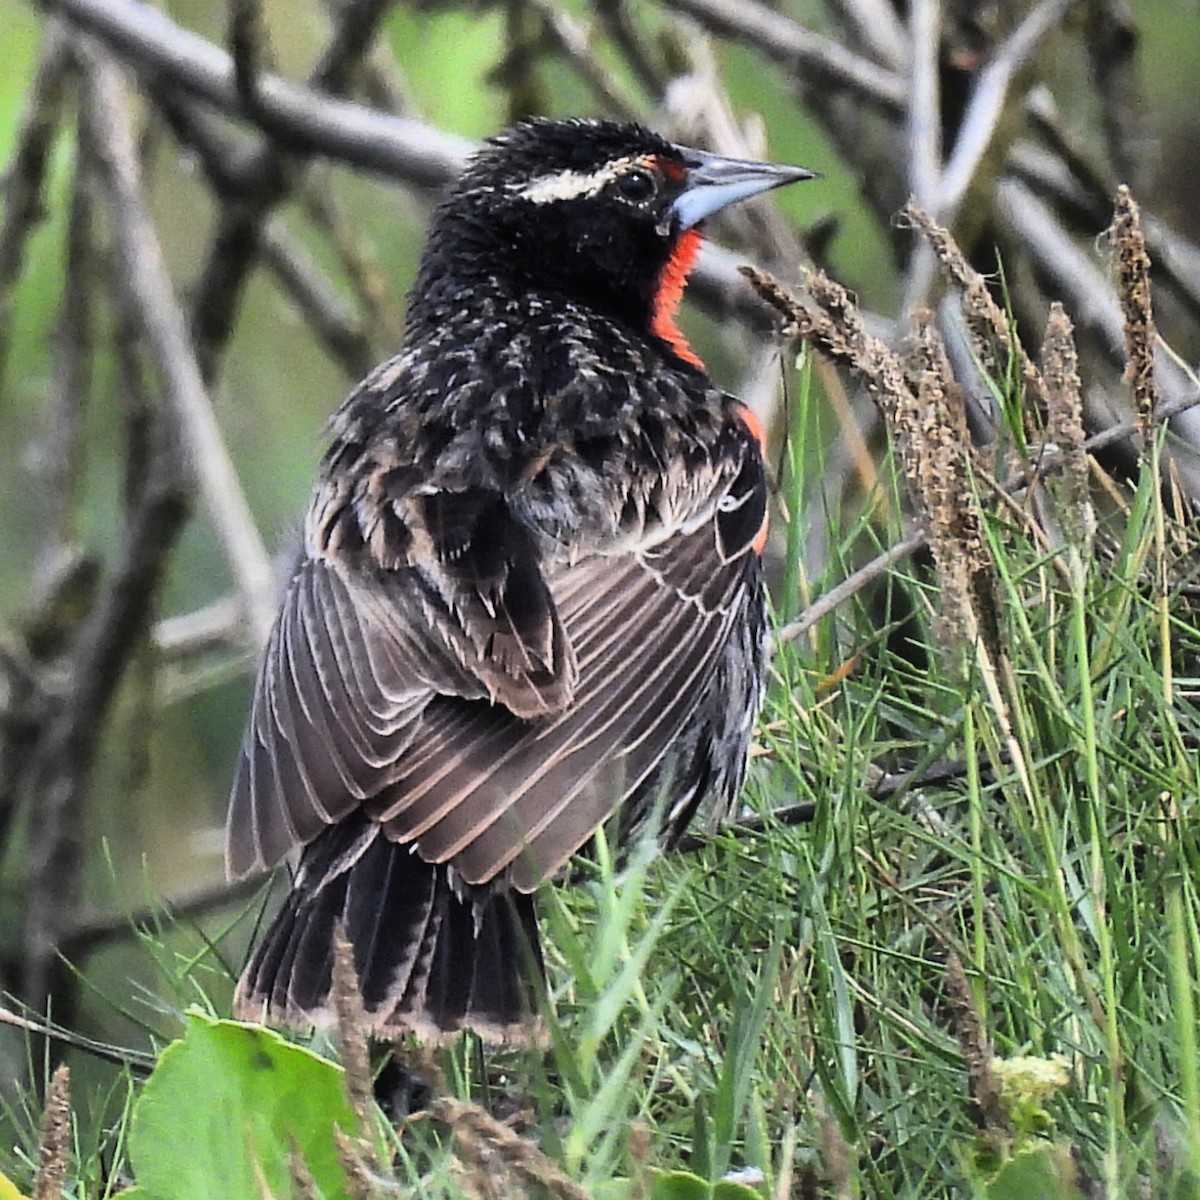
point(671, 283)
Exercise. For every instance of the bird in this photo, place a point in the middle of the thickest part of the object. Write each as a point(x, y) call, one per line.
point(529, 598)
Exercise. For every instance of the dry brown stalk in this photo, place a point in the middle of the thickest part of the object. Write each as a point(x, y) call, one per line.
point(836, 1155)
point(925, 415)
point(360, 1178)
point(356, 1058)
point(483, 1139)
point(986, 320)
point(54, 1140)
point(977, 1053)
point(304, 1183)
point(1064, 424)
point(936, 447)
point(835, 330)
point(1133, 288)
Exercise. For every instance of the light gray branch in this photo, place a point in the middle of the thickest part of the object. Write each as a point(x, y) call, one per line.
point(149, 286)
point(988, 100)
point(159, 50)
point(789, 43)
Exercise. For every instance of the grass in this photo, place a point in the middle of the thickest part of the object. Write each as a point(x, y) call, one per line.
point(976, 958)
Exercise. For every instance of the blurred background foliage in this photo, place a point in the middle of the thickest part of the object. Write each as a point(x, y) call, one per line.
point(157, 799)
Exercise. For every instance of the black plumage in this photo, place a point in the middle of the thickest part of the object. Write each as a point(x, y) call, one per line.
point(529, 594)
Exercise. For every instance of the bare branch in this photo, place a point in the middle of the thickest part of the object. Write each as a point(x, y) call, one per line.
point(22, 184)
point(877, 26)
point(72, 373)
point(573, 42)
point(213, 627)
point(165, 333)
point(924, 103)
point(1111, 43)
point(332, 321)
point(989, 98)
point(157, 48)
point(798, 49)
point(269, 174)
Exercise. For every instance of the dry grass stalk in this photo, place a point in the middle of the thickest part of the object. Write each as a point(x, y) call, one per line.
point(835, 331)
point(486, 1144)
point(54, 1139)
point(1133, 288)
point(1064, 425)
point(977, 1053)
point(986, 320)
point(359, 1153)
point(304, 1183)
point(924, 411)
point(352, 1029)
point(936, 450)
point(836, 1157)
point(361, 1176)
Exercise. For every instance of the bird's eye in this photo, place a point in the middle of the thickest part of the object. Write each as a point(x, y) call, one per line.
point(635, 187)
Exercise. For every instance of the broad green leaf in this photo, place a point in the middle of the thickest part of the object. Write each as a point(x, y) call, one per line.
point(680, 1185)
point(225, 1107)
point(9, 1190)
point(1044, 1172)
point(732, 1189)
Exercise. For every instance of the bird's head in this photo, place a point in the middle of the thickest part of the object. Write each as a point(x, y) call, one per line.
point(603, 213)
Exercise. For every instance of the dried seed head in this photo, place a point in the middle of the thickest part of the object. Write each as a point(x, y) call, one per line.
point(1133, 288)
point(1064, 423)
point(938, 463)
point(352, 1030)
point(486, 1143)
point(924, 411)
point(986, 321)
point(54, 1140)
point(977, 1053)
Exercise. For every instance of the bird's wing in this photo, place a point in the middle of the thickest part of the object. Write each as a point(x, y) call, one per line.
point(488, 792)
point(649, 629)
point(359, 650)
point(488, 716)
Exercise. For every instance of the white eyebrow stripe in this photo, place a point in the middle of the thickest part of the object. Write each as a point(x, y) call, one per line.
point(572, 185)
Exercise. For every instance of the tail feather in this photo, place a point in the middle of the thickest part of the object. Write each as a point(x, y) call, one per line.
point(433, 955)
point(503, 965)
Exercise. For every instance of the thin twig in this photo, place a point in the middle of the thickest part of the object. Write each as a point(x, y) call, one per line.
point(877, 25)
point(271, 173)
point(850, 587)
point(573, 43)
point(625, 37)
point(72, 369)
point(1111, 44)
point(88, 934)
point(318, 302)
point(136, 1061)
point(357, 256)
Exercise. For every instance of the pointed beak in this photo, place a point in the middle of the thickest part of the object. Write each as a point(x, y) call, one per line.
point(714, 182)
